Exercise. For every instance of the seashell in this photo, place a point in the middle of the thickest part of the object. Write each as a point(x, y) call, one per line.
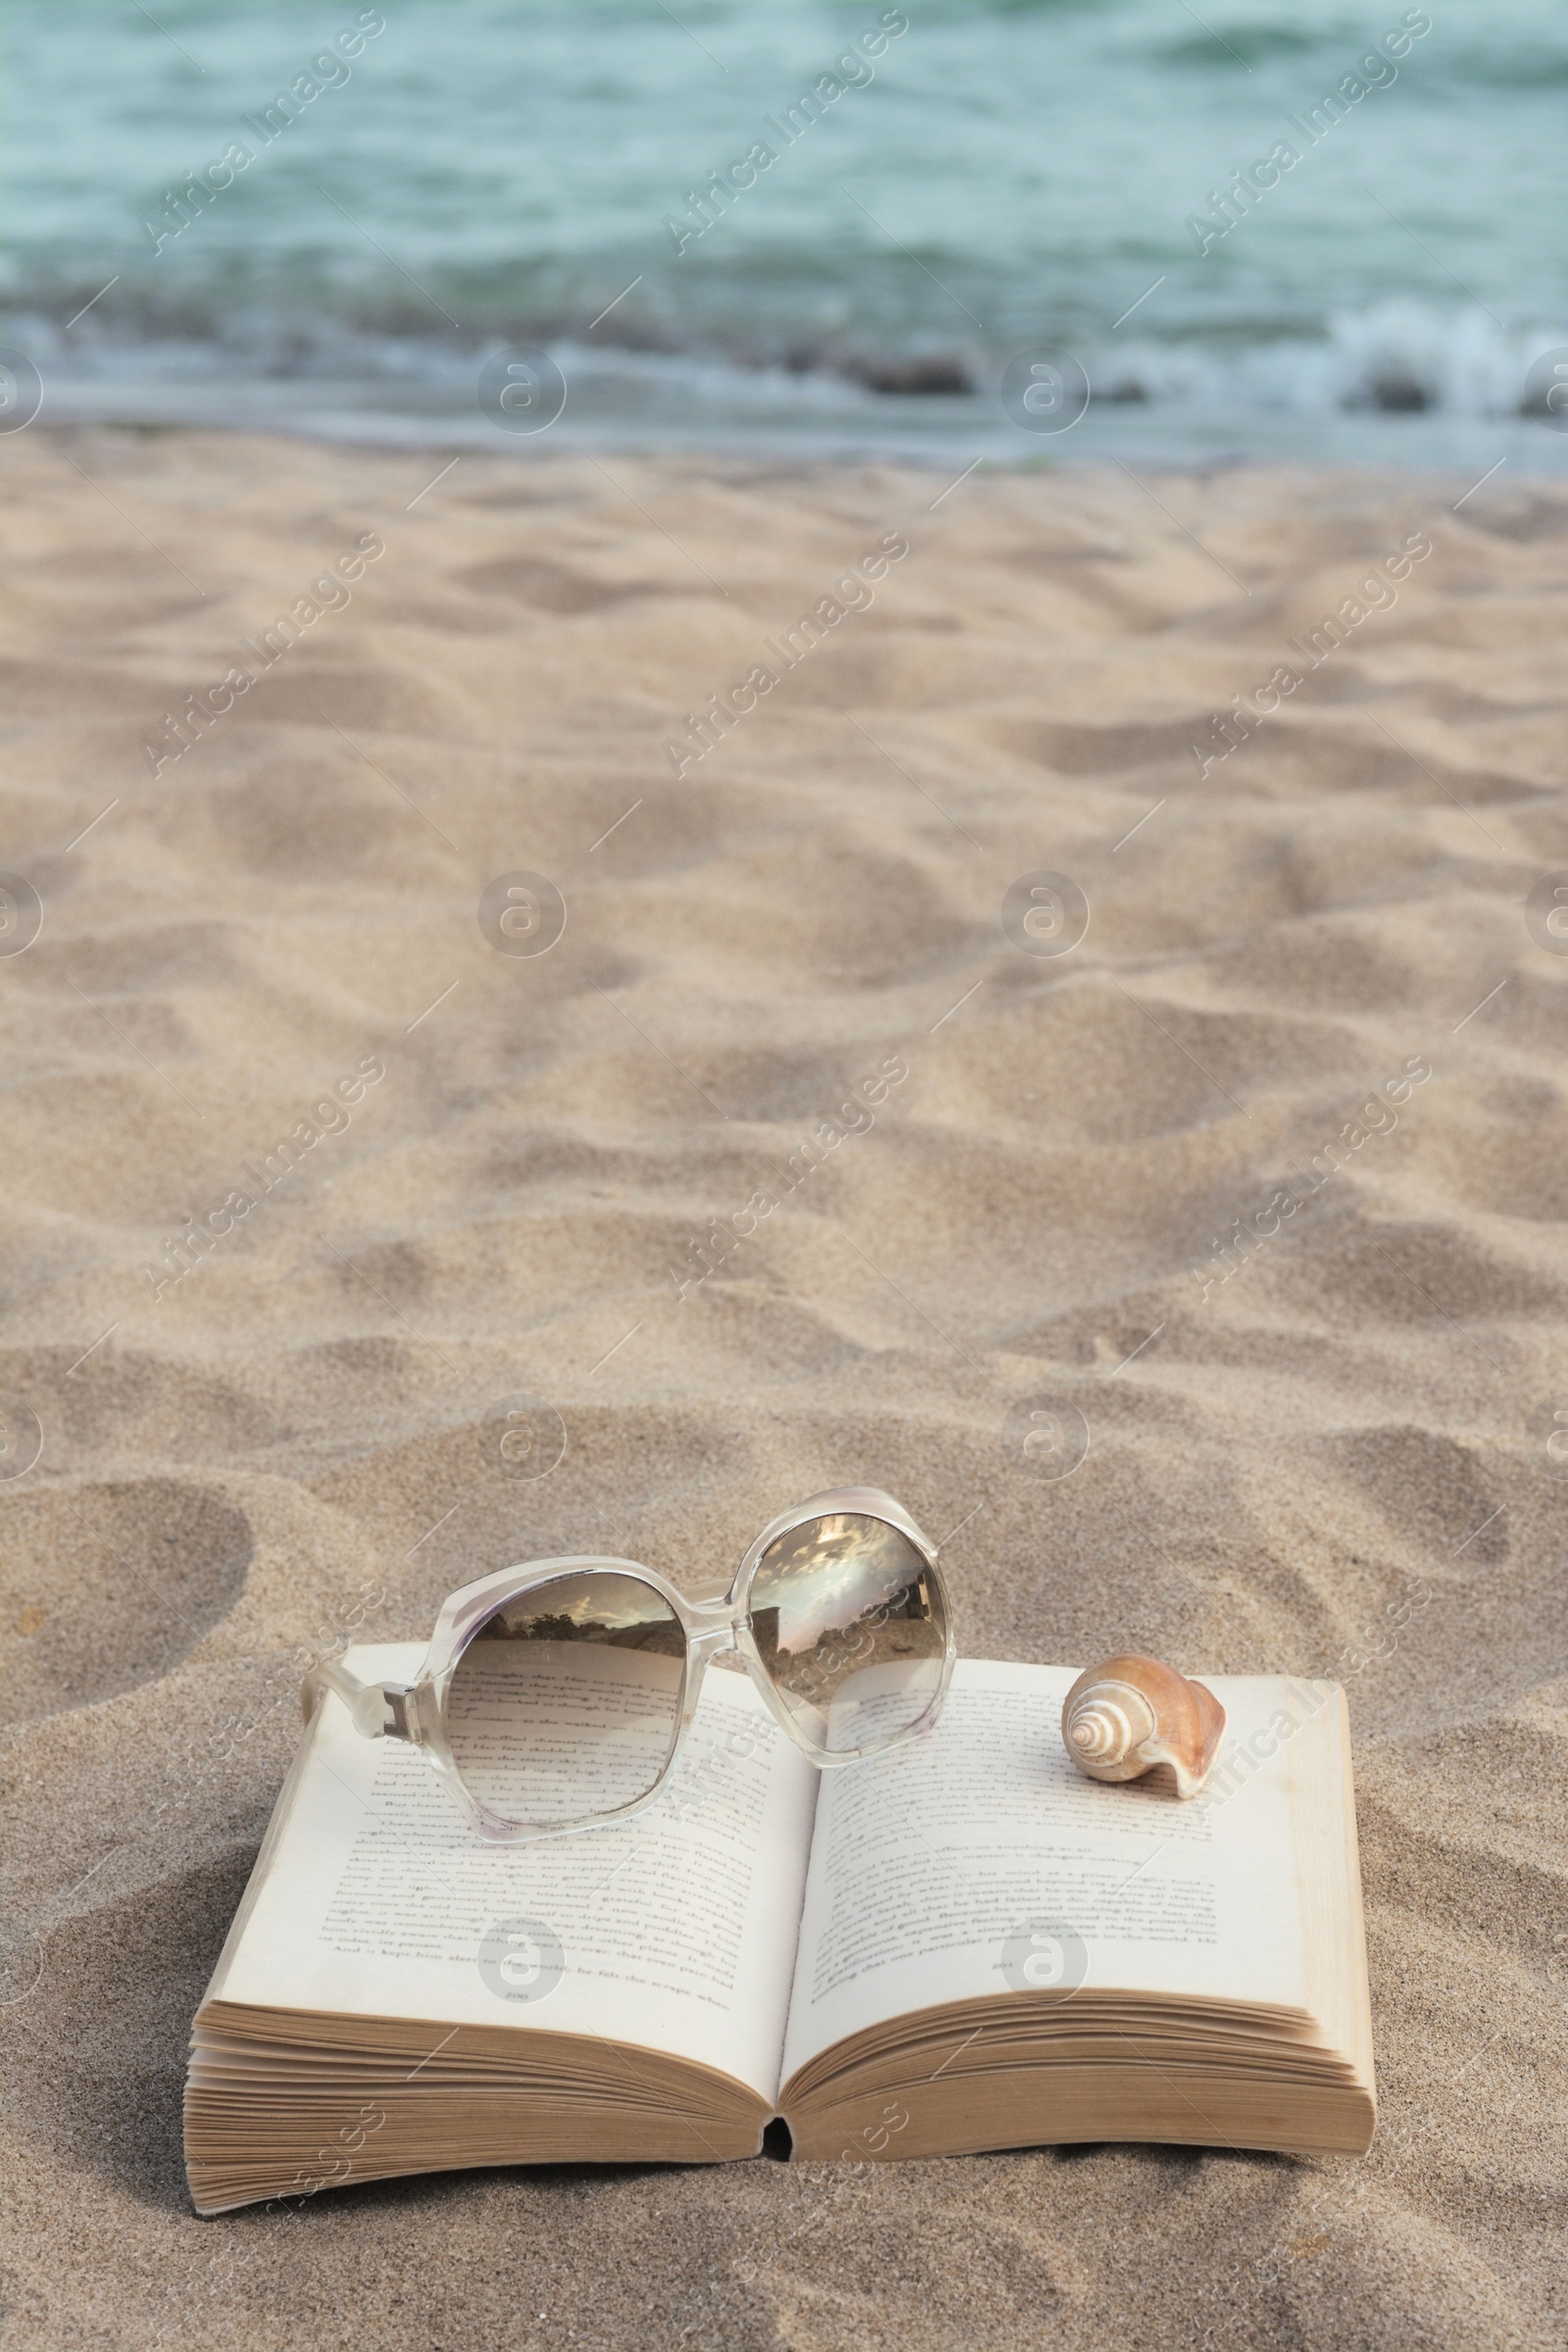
point(1129, 1714)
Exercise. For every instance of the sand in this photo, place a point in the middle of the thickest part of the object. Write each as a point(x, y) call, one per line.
point(1347, 1430)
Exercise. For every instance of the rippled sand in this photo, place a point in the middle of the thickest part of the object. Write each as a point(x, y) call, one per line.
point(297, 1436)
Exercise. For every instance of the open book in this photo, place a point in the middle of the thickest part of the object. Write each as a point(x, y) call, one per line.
point(961, 1945)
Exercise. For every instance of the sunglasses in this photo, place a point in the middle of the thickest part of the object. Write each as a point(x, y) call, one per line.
point(555, 1696)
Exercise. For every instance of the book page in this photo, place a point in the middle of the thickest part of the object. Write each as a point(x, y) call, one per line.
point(674, 1932)
point(978, 1860)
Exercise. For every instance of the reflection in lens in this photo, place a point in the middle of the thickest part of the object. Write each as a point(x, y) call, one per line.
point(563, 1708)
point(848, 1620)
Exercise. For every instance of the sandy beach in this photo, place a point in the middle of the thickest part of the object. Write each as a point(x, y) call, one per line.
point(1263, 1181)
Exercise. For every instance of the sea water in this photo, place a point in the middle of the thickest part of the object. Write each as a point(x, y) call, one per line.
point(1278, 230)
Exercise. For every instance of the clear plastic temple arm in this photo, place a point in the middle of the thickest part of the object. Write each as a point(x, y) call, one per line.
point(380, 1710)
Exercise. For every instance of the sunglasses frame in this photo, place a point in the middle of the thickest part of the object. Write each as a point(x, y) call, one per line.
point(715, 1622)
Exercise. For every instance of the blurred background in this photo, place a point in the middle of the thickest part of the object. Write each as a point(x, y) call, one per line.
point(451, 178)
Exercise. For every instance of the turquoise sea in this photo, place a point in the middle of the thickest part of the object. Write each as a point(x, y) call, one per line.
point(1281, 229)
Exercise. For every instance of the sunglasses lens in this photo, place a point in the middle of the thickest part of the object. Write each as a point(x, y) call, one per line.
point(849, 1622)
point(564, 1705)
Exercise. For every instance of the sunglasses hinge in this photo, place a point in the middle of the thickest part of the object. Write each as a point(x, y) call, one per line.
point(401, 1707)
